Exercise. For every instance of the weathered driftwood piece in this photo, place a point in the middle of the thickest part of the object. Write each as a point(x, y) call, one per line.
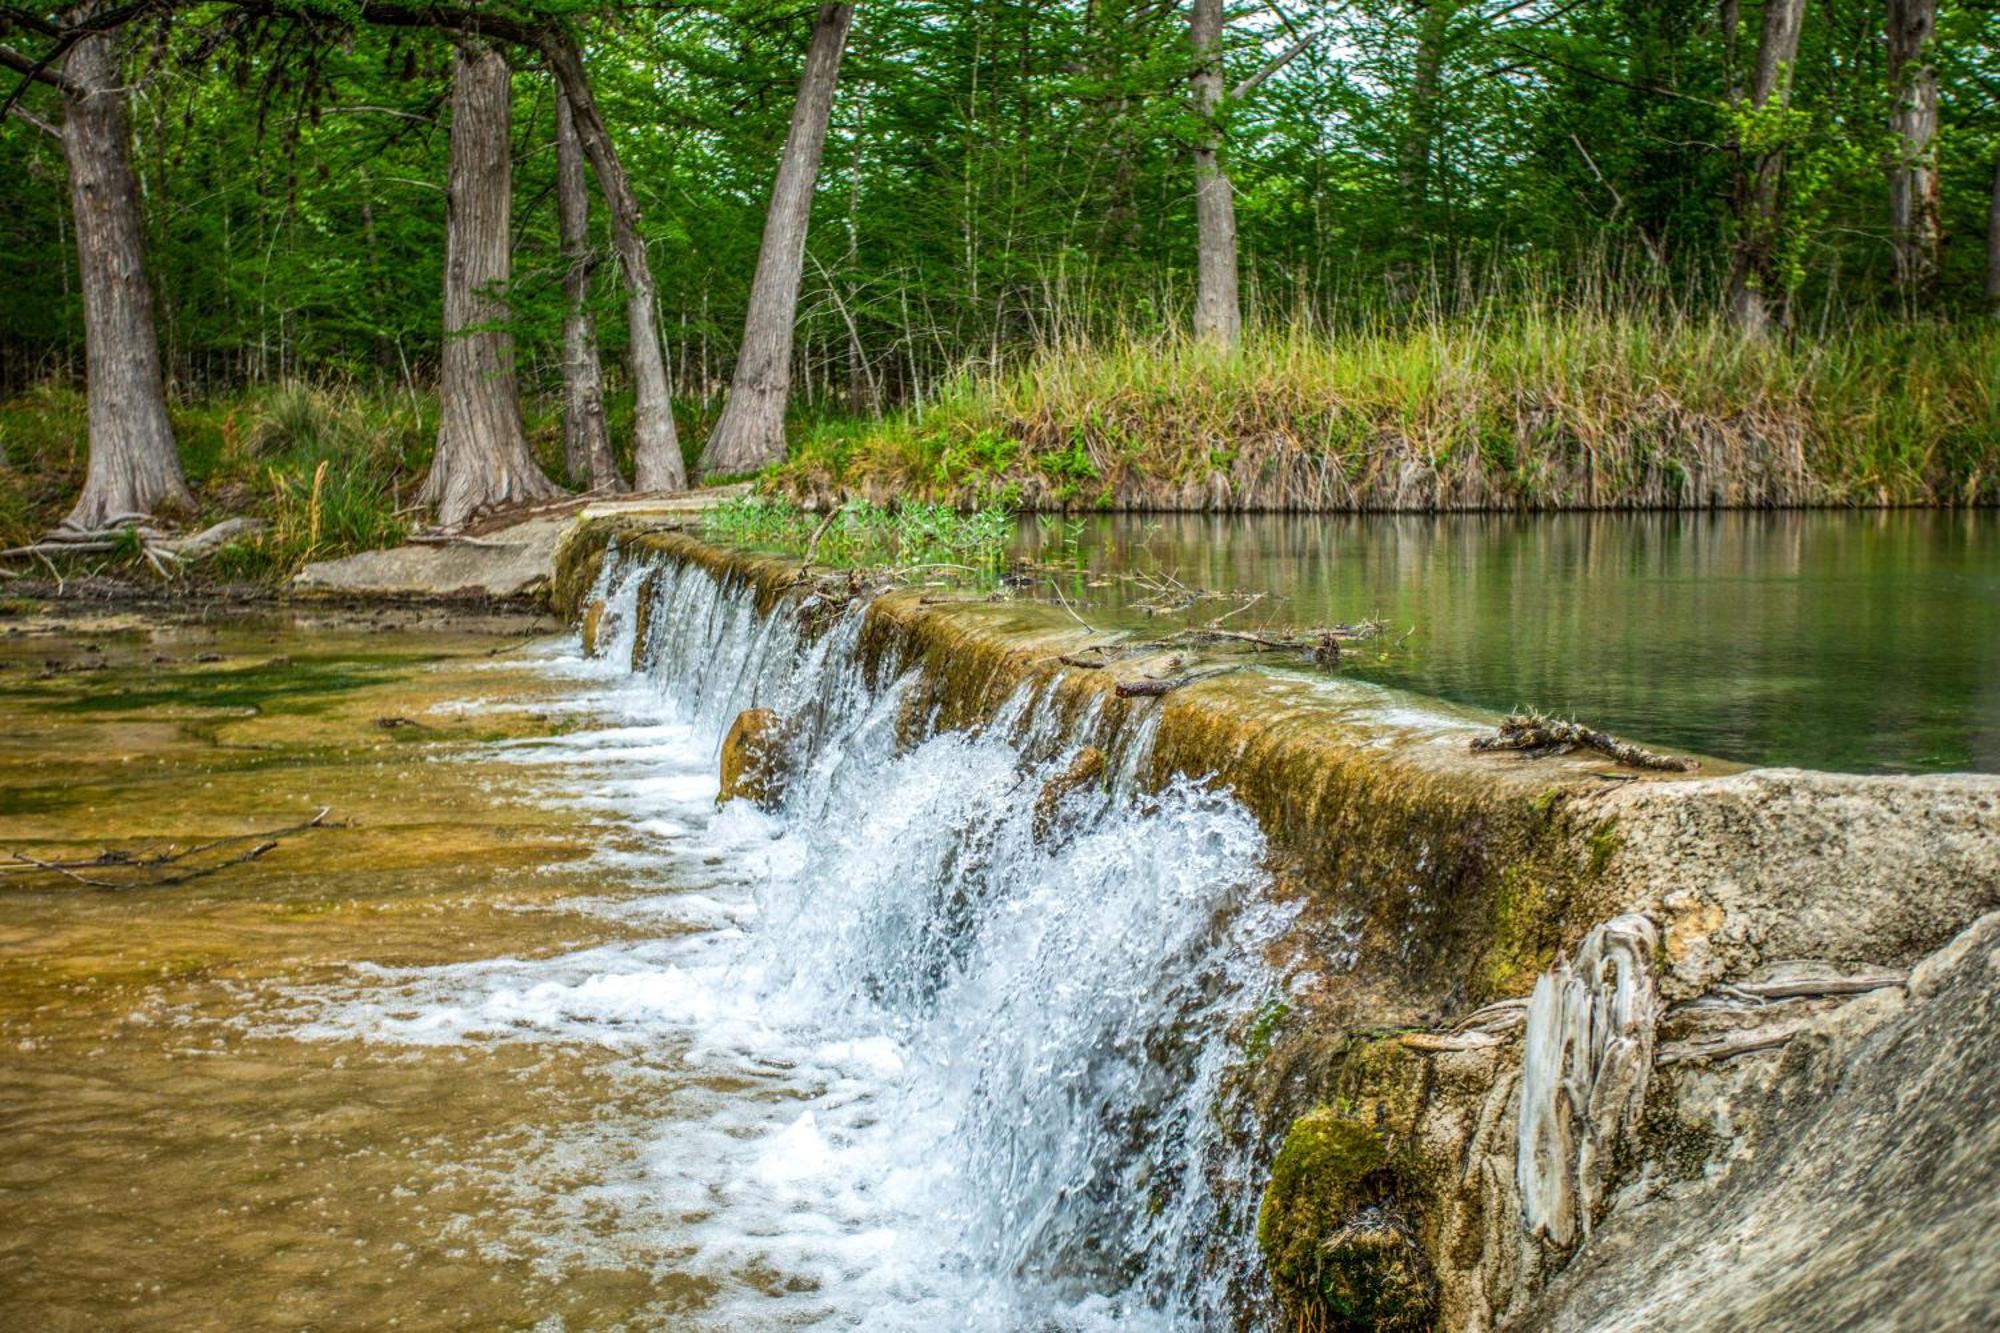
point(1587, 1055)
point(1448, 1041)
point(1814, 987)
point(169, 861)
point(1744, 1041)
point(1500, 1016)
point(1535, 735)
point(1151, 688)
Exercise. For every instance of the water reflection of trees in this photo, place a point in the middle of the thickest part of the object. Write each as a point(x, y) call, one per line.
point(1849, 640)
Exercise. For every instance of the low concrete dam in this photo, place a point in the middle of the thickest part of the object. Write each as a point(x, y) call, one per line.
point(1267, 1001)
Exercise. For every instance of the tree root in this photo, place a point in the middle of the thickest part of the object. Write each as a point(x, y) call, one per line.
point(1537, 736)
point(163, 552)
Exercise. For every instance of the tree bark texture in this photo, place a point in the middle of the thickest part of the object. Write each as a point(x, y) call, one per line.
point(482, 452)
point(751, 432)
point(133, 468)
point(1993, 246)
point(1420, 147)
point(586, 442)
point(656, 448)
point(1913, 123)
point(1754, 282)
point(1218, 316)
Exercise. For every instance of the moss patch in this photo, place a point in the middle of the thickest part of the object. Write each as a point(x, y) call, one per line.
point(1339, 1253)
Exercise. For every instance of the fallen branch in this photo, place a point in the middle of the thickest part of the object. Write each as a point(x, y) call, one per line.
point(1152, 689)
point(170, 859)
point(1536, 736)
point(457, 539)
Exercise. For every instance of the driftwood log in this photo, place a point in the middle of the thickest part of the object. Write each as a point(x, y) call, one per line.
point(1152, 687)
point(1587, 1054)
point(1536, 736)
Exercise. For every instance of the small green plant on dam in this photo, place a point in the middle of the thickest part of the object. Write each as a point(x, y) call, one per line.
point(860, 532)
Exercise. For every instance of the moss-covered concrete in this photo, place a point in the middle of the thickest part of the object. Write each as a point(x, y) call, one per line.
point(753, 758)
point(1435, 877)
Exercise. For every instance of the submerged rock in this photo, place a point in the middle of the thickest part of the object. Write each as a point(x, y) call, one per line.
point(754, 763)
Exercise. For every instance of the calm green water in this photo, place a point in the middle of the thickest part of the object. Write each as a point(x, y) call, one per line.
point(1863, 642)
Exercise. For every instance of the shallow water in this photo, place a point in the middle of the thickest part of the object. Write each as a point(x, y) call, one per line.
point(533, 1035)
point(1863, 642)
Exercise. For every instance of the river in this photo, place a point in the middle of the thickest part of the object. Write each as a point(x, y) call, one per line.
point(529, 1033)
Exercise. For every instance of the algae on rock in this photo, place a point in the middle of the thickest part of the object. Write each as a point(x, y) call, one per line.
point(1340, 1252)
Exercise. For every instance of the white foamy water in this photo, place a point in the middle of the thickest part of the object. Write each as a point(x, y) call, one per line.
point(926, 1069)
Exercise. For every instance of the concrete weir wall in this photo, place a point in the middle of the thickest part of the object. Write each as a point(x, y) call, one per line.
point(1544, 1016)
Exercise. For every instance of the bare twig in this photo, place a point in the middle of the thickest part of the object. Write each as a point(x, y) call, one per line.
point(147, 862)
point(1150, 689)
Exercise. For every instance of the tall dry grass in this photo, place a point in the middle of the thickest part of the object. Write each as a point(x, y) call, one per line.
point(1540, 406)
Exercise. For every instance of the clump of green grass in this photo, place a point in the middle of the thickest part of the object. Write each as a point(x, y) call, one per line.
point(327, 468)
point(1538, 407)
point(860, 532)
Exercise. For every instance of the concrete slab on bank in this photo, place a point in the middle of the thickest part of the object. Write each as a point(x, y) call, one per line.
point(506, 560)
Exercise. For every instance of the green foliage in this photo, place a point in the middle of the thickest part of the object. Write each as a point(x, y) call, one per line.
point(862, 533)
point(1005, 215)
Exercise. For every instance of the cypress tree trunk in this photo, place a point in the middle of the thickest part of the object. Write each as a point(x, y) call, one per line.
point(1421, 135)
point(656, 448)
point(586, 442)
point(1218, 316)
point(751, 432)
point(1913, 121)
point(1753, 277)
point(482, 452)
point(1993, 246)
point(133, 469)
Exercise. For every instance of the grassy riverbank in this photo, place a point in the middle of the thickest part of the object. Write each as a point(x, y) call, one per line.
point(1536, 409)
point(329, 470)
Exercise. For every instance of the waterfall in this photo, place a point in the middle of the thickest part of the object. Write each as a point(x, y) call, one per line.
point(936, 1061)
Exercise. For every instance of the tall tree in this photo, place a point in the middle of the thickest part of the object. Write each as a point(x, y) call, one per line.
point(1426, 117)
point(586, 442)
point(656, 450)
point(134, 470)
point(482, 456)
point(1754, 280)
point(751, 432)
point(1993, 245)
point(1913, 123)
point(1218, 313)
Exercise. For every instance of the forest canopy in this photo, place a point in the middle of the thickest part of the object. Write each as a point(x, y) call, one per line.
point(993, 180)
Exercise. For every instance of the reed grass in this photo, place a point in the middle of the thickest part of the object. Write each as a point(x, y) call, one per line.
point(1534, 407)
